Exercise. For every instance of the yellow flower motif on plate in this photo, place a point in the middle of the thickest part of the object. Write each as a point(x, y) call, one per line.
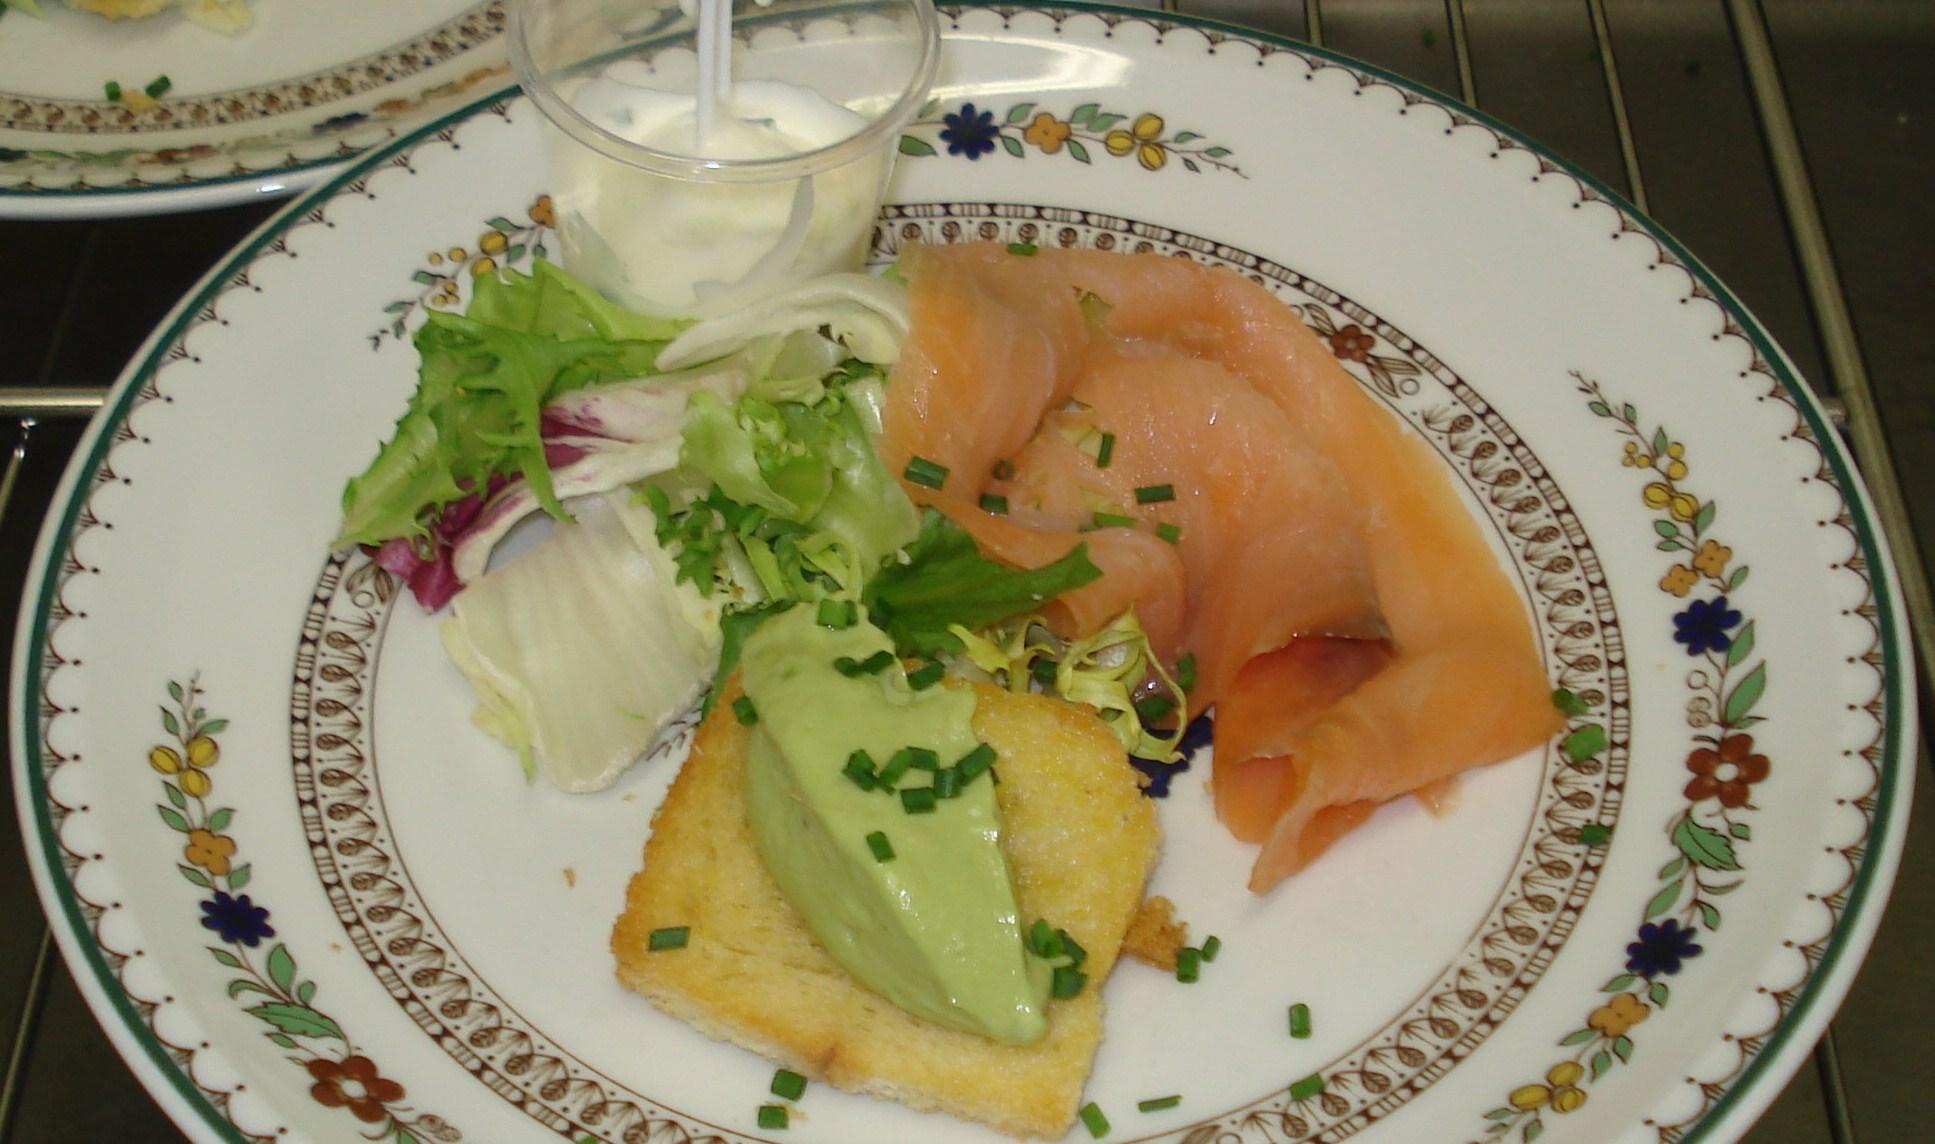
point(1616, 1017)
point(210, 851)
point(1712, 558)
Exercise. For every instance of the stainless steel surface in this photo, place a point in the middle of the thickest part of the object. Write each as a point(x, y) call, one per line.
point(1789, 143)
point(50, 400)
point(1832, 317)
point(1461, 50)
point(1616, 92)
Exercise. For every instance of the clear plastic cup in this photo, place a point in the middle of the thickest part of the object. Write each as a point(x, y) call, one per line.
point(670, 215)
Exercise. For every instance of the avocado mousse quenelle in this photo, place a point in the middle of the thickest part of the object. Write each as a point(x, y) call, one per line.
point(872, 804)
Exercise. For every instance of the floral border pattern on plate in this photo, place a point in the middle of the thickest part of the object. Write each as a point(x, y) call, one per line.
point(971, 132)
point(335, 757)
point(1707, 834)
point(272, 990)
point(343, 136)
point(471, 29)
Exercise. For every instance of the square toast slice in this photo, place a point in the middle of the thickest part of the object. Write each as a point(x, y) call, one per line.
point(1080, 841)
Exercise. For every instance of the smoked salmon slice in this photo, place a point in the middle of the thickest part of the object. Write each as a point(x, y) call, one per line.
point(1350, 623)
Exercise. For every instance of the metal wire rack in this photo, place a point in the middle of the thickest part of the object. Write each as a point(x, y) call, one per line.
point(1532, 46)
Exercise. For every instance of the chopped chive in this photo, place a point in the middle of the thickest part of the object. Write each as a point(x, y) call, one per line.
point(1067, 982)
point(1153, 707)
point(772, 1116)
point(788, 1085)
point(744, 711)
point(1212, 945)
point(998, 505)
point(883, 851)
point(917, 800)
point(1043, 670)
point(1170, 532)
point(1076, 954)
point(850, 667)
point(970, 765)
point(860, 769)
point(1094, 1121)
point(1566, 701)
point(1004, 469)
point(1159, 1104)
point(919, 758)
point(1186, 672)
point(922, 471)
point(1024, 249)
point(1307, 1087)
point(670, 937)
point(837, 613)
point(926, 676)
point(1300, 1021)
point(113, 91)
point(947, 782)
point(1043, 939)
point(1105, 451)
point(1154, 494)
point(1584, 743)
point(890, 774)
point(1113, 520)
point(159, 87)
point(1595, 834)
point(1189, 964)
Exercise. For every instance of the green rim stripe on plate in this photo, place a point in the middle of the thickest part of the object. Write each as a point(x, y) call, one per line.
point(1894, 668)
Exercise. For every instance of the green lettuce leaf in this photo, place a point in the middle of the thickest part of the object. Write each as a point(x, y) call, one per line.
point(760, 453)
point(865, 506)
point(811, 465)
point(549, 301)
point(945, 580)
point(482, 382)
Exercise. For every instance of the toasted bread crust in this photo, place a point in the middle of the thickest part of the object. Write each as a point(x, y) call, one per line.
point(1155, 937)
point(1080, 842)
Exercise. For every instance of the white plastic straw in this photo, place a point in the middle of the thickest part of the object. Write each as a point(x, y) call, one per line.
point(715, 64)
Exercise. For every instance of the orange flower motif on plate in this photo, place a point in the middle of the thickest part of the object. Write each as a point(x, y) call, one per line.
point(1047, 132)
point(210, 851)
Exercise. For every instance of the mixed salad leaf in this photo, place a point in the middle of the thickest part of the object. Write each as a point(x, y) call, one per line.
point(484, 380)
point(946, 583)
point(739, 454)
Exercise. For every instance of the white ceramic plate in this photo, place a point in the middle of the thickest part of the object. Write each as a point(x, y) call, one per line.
point(1634, 934)
point(273, 110)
